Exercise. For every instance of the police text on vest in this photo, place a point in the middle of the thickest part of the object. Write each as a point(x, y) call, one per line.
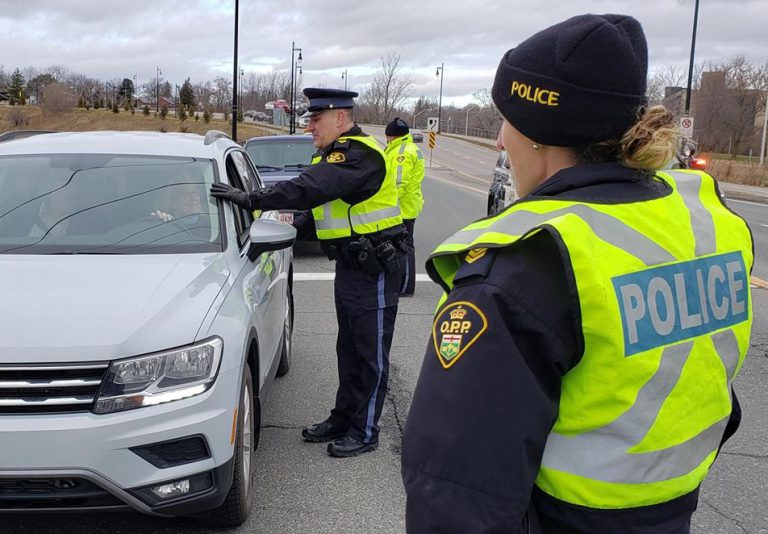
point(664, 305)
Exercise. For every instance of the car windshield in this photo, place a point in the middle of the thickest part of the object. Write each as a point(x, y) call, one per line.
point(106, 204)
point(281, 153)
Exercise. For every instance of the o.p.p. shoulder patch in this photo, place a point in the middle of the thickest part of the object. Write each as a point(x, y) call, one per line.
point(336, 157)
point(456, 328)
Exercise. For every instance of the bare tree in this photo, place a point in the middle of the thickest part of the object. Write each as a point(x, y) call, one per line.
point(388, 90)
point(730, 97)
point(487, 117)
point(222, 94)
point(58, 99)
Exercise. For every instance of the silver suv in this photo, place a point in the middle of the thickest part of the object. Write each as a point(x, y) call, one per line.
point(141, 324)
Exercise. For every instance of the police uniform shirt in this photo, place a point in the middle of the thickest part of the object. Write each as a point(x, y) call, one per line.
point(348, 170)
point(476, 431)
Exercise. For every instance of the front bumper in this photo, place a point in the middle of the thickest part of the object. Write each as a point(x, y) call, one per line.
point(53, 453)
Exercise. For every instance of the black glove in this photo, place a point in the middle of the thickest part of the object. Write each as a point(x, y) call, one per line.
point(234, 195)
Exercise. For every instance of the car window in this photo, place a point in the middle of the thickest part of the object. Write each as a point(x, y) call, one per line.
point(281, 153)
point(106, 204)
point(243, 217)
point(251, 180)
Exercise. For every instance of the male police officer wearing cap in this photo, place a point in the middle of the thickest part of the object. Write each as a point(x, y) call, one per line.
point(579, 375)
point(408, 161)
point(353, 203)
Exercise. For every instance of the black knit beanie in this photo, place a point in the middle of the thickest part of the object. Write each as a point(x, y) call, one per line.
point(578, 82)
point(396, 128)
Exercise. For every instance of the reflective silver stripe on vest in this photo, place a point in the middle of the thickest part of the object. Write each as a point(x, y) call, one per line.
point(602, 454)
point(400, 165)
point(373, 217)
point(328, 222)
point(606, 227)
point(689, 184)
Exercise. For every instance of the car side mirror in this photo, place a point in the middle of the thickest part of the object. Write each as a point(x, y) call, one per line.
point(268, 235)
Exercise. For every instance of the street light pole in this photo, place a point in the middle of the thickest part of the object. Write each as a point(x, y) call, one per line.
point(234, 76)
point(157, 89)
point(439, 72)
point(690, 63)
point(292, 125)
point(466, 121)
point(242, 73)
point(765, 127)
point(344, 77)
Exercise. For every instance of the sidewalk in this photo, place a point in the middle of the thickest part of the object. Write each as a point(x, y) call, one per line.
point(744, 192)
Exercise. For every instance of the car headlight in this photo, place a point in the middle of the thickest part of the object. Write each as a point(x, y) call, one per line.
point(159, 378)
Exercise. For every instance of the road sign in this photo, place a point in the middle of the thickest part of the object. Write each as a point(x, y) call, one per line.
point(431, 140)
point(432, 124)
point(686, 127)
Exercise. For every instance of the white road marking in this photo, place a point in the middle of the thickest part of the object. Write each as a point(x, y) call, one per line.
point(449, 182)
point(766, 225)
point(327, 277)
point(743, 201)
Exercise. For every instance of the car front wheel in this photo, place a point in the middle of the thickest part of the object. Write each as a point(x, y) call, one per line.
point(237, 506)
point(285, 354)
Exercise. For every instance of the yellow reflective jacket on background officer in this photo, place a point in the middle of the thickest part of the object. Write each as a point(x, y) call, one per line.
point(408, 162)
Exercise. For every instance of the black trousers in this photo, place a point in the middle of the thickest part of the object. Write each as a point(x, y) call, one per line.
point(409, 269)
point(366, 307)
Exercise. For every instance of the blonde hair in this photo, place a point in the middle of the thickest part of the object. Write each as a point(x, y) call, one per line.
point(648, 145)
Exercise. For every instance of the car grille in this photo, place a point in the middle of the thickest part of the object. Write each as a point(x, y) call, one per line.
point(31, 388)
point(53, 493)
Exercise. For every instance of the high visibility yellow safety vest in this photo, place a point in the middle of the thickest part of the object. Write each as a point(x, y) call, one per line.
point(666, 313)
point(408, 161)
point(337, 219)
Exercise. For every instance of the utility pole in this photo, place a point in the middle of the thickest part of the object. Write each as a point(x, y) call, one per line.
point(690, 62)
point(344, 77)
point(439, 72)
point(292, 113)
point(157, 89)
point(765, 127)
point(234, 77)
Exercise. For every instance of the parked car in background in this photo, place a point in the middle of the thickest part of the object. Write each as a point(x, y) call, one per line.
point(260, 116)
point(279, 158)
point(141, 324)
point(502, 191)
point(417, 135)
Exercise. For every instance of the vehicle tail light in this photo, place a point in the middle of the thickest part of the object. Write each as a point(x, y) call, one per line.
point(698, 163)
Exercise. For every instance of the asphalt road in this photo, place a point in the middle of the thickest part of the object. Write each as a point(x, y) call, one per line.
point(300, 489)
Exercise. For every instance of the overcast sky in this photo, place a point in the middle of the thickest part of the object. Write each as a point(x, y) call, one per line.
point(110, 39)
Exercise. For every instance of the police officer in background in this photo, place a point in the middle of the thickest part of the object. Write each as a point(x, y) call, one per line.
point(578, 379)
point(353, 199)
point(407, 159)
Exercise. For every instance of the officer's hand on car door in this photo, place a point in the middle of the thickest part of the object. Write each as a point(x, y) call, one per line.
point(234, 195)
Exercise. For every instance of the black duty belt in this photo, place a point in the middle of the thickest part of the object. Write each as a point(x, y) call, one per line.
point(372, 253)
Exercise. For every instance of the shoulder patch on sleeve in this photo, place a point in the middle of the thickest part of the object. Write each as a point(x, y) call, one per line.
point(336, 157)
point(456, 328)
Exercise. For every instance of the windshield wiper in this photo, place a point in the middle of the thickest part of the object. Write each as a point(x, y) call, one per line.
point(296, 165)
point(268, 168)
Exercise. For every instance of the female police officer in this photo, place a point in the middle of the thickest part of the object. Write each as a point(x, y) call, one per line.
point(579, 374)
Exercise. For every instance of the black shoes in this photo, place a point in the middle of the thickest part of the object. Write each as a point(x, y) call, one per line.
point(321, 432)
point(348, 446)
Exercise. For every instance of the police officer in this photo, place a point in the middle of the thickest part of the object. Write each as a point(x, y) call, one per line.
point(578, 379)
point(354, 211)
point(407, 159)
